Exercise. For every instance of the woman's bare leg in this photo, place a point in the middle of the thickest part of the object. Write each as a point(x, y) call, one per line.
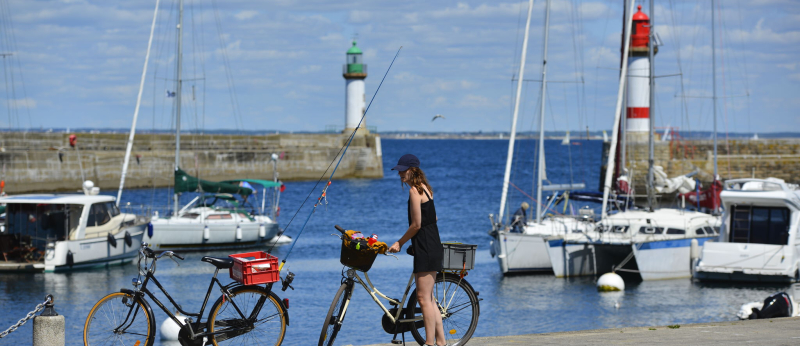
point(431, 316)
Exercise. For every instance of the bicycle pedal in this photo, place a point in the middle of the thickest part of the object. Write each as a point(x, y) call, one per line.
point(396, 342)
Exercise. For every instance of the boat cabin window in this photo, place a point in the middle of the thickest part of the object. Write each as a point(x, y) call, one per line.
point(710, 230)
point(675, 231)
point(759, 225)
point(700, 231)
point(651, 230)
point(40, 223)
point(219, 217)
point(100, 214)
point(619, 229)
point(190, 216)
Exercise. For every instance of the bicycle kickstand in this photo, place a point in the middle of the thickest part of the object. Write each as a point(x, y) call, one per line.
point(402, 335)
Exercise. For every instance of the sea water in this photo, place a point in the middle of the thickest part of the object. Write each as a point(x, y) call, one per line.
point(466, 176)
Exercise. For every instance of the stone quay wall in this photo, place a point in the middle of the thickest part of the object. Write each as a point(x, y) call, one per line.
point(761, 158)
point(44, 162)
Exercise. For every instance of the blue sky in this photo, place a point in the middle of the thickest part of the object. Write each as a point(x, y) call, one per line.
point(78, 64)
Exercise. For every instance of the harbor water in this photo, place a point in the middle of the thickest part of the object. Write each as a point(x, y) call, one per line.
point(466, 176)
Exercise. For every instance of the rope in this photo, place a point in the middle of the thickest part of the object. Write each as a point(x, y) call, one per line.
point(330, 178)
point(32, 314)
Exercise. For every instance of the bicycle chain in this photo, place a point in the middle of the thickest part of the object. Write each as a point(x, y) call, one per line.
point(25, 319)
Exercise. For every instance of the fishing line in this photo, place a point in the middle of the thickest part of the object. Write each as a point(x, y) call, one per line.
point(328, 184)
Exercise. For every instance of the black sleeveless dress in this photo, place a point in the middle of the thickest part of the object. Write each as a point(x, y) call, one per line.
point(426, 245)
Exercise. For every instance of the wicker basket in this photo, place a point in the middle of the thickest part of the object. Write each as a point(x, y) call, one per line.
point(360, 260)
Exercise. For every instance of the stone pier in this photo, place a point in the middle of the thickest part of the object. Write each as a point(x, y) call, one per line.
point(45, 162)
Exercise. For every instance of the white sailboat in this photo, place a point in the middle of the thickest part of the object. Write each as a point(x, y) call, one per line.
point(216, 219)
point(655, 243)
point(520, 246)
point(565, 141)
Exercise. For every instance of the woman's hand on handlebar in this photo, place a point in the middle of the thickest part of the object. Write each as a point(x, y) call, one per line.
point(395, 247)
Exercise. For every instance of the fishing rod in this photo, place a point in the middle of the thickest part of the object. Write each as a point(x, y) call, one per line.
point(330, 178)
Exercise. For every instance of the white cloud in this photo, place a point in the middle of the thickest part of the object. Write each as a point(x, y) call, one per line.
point(245, 15)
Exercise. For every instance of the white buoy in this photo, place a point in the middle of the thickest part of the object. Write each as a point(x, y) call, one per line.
point(170, 329)
point(206, 233)
point(262, 231)
point(238, 232)
point(610, 282)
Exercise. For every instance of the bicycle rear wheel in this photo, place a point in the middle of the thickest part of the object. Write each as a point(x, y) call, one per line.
point(268, 324)
point(460, 310)
point(335, 318)
point(119, 319)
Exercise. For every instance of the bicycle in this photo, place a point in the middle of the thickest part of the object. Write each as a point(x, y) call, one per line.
point(242, 315)
point(455, 297)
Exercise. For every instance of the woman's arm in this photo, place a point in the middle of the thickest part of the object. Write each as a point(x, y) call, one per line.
point(416, 220)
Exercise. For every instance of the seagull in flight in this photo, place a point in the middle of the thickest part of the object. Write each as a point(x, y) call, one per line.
point(437, 116)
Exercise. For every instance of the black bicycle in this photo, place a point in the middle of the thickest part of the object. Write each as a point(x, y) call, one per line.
point(242, 315)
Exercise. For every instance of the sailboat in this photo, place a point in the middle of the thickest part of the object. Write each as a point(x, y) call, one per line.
point(520, 245)
point(219, 217)
point(653, 243)
point(565, 141)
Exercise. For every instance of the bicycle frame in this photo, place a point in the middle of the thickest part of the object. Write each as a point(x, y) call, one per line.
point(150, 275)
point(352, 275)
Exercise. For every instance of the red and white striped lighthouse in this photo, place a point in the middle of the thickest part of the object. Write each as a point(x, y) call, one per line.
point(638, 109)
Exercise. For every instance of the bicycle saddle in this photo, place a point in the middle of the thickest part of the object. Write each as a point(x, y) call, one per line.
point(221, 263)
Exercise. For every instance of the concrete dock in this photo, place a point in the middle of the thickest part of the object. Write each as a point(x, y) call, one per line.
point(776, 331)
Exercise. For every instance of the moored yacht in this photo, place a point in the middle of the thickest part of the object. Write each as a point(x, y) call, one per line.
point(758, 241)
point(48, 232)
point(656, 245)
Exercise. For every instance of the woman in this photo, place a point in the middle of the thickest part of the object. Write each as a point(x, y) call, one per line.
point(425, 244)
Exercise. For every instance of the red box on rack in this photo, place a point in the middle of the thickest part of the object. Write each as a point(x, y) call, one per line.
point(254, 268)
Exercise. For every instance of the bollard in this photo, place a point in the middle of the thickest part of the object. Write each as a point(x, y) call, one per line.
point(48, 328)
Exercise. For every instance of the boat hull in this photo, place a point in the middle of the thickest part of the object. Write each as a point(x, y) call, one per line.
point(519, 253)
point(170, 235)
point(665, 259)
point(748, 262)
point(570, 259)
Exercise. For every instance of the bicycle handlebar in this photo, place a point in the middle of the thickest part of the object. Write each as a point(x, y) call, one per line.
point(146, 251)
point(339, 228)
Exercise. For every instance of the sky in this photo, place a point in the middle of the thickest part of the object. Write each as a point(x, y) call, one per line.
point(276, 65)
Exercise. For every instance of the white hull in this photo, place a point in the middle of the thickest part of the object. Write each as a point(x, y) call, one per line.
point(521, 253)
point(171, 234)
point(570, 259)
point(665, 259)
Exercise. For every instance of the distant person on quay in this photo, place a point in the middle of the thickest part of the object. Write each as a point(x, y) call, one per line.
point(426, 247)
point(520, 218)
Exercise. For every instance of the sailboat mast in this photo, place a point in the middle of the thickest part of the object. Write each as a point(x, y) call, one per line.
point(540, 174)
point(651, 149)
point(178, 80)
point(138, 103)
point(510, 155)
point(714, 83)
point(612, 151)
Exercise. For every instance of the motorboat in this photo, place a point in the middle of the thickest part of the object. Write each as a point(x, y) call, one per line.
point(655, 245)
point(60, 232)
point(216, 220)
point(758, 239)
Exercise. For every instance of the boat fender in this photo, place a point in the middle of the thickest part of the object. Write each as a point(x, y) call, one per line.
point(170, 329)
point(70, 259)
point(112, 241)
point(262, 231)
point(238, 232)
point(491, 248)
point(695, 249)
point(150, 229)
point(610, 282)
point(128, 239)
point(206, 233)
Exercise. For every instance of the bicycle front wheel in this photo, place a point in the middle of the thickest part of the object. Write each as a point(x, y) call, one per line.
point(459, 306)
point(119, 319)
point(335, 318)
point(260, 326)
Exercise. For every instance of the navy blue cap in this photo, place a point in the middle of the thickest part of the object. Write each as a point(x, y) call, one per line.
point(407, 160)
